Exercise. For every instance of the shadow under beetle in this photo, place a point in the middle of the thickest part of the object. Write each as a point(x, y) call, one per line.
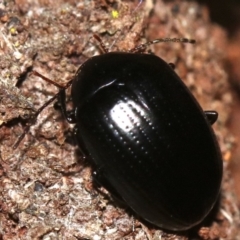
point(146, 134)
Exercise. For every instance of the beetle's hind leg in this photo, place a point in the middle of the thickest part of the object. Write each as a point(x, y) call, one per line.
point(211, 116)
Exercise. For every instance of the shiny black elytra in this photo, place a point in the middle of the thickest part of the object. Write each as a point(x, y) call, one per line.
point(150, 141)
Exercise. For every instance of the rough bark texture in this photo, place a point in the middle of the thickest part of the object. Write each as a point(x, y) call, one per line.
point(46, 187)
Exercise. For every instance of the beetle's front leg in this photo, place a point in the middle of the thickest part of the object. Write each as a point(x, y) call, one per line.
point(69, 115)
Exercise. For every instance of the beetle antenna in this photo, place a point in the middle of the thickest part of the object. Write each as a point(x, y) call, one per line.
point(140, 48)
point(51, 81)
point(34, 116)
point(103, 46)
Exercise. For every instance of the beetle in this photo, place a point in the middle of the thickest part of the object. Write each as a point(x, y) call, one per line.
point(148, 138)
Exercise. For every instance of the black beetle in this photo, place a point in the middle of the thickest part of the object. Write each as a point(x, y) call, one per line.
point(149, 139)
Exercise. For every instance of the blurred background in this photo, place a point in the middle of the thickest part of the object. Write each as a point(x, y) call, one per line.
point(227, 14)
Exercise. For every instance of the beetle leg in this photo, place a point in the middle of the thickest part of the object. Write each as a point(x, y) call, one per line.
point(172, 65)
point(100, 179)
point(211, 116)
point(69, 115)
point(80, 142)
